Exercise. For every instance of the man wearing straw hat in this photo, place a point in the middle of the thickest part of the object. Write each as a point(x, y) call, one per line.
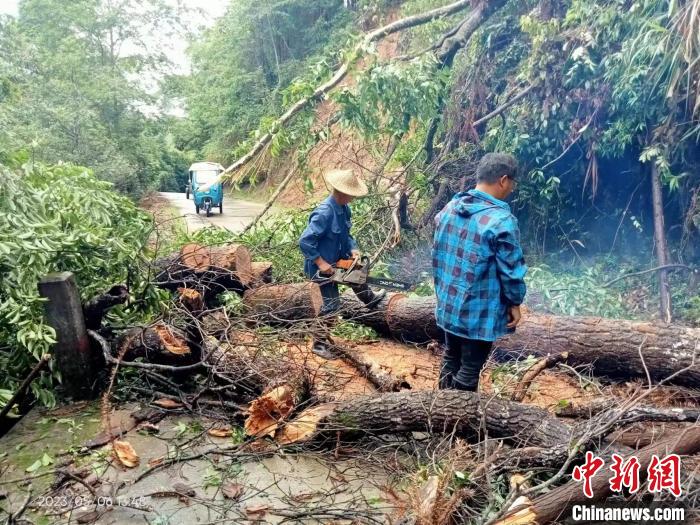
point(327, 239)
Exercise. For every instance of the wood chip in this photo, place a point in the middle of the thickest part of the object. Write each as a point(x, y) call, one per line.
point(221, 432)
point(232, 490)
point(164, 402)
point(126, 454)
point(149, 427)
point(155, 462)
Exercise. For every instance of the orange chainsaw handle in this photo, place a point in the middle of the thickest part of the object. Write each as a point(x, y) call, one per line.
point(345, 264)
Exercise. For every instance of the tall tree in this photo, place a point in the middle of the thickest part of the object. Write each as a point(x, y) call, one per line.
point(241, 66)
point(79, 76)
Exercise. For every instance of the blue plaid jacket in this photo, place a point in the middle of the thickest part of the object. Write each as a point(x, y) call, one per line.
point(478, 266)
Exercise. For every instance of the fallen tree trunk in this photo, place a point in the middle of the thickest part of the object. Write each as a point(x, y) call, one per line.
point(160, 343)
point(614, 347)
point(208, 269)
point(284, 302)
point(445, 411)
point(558, 502)
point(340, 73)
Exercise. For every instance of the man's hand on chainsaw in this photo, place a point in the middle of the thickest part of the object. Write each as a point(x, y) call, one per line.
point(323, 267)
point(356, 254)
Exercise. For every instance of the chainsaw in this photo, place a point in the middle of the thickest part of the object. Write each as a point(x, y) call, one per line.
point(355, 272)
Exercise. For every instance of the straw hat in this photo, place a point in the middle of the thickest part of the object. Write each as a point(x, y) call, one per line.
point(345, 181)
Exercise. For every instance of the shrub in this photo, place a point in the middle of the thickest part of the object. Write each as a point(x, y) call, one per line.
point(57, 218)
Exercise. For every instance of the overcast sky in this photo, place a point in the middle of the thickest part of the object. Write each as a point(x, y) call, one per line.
point(212, 9)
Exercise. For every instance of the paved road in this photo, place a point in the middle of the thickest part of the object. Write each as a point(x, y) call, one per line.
point(237, 213)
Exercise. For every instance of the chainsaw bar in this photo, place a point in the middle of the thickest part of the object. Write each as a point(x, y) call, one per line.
point(389, 284)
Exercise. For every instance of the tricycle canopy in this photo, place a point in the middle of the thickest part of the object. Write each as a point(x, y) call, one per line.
point(204, 173)
point(206, 186)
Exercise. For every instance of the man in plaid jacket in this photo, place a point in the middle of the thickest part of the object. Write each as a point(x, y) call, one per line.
point(479, 271)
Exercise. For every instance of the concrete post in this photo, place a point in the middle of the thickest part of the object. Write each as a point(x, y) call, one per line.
point(64, 313)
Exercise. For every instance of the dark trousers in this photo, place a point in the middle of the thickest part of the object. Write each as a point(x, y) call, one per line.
point(462, 362)
point(331, 298)
point(331, 304)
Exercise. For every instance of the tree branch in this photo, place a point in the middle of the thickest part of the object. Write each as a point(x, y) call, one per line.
point(342, 71)
point(655, 269)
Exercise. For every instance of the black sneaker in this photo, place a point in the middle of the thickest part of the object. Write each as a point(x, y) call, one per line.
point(321, 349)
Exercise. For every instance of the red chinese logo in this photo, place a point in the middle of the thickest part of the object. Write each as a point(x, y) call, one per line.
point(586, 471)
point(663, 474)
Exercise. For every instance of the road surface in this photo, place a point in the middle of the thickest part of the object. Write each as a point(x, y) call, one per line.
point(237, 213)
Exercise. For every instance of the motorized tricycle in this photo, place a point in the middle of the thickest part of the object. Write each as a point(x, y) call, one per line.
point(206, 186)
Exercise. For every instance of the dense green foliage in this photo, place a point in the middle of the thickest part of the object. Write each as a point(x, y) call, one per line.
point(612, 89)
point(606, 103)
point(58, 218)
point(242, 67)
point(74, 87)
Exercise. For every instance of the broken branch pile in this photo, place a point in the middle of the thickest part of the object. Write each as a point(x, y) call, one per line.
point(294, 397)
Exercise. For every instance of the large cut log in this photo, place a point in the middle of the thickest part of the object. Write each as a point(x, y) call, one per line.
point(558, 503)
point(209, 269)
point(614, 347)
point(284, 302)
point(159, 343)
point(441, 411)
point(352, 308)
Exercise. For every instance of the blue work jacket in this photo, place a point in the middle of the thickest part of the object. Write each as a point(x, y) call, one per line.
point(327, 235)
point(478, 266)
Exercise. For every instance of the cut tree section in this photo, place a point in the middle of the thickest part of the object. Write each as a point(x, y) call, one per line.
point(284, 302)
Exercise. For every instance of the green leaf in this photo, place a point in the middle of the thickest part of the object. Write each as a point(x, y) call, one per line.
point(34, 466)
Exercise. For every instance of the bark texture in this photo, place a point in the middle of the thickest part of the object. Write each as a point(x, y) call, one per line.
point(96, 308)
point(614, 347)
point(442, 411)
point(284, 302)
